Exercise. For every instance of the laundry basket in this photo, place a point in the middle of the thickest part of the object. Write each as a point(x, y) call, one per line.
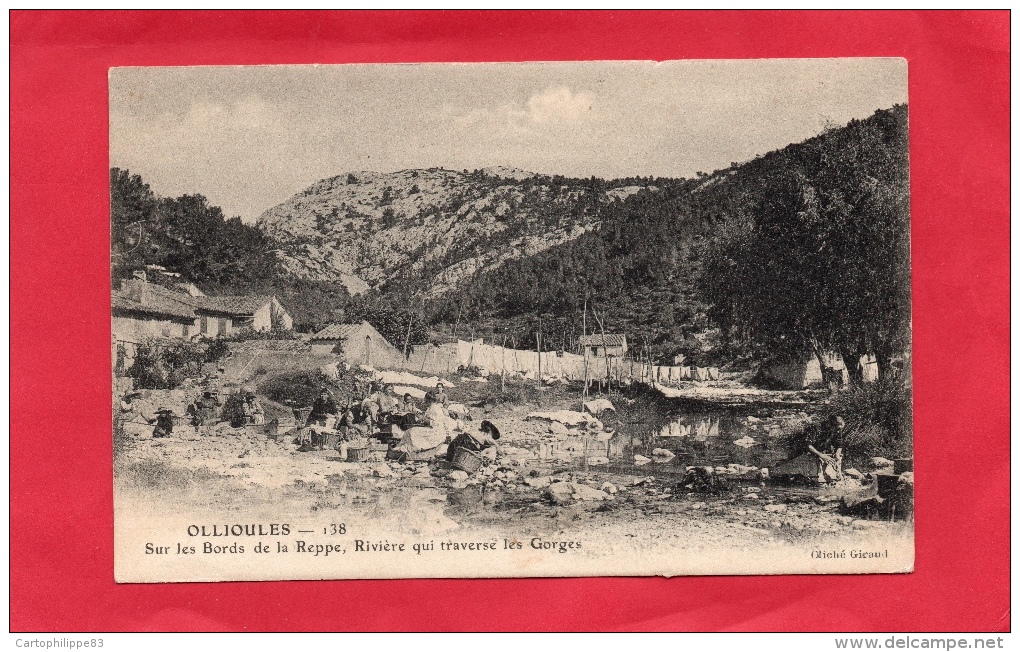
point(466, 460)
point(357, 454)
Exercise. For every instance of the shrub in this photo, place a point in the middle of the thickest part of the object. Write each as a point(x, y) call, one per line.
point(301, 388)
point(164, 364)
point(216, 350)
point(878, 417)
point(514, 391)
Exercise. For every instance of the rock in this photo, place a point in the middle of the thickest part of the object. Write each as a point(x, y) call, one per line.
point(641, 459)
point(382, 471)
point(699, 505)
point(866, 525)
point(558, 428)
point(540, 482)
point(584, 492)
point(774, 508)
point(853, 473)
point(597, 461)
point(489, 497)
point(881, 462)
point(753, 419)
point(907, 479)
point(514, 453)
point(744, 442)
point(662, 454)
point(458, 476)
point(560, 493)
point(609, 488)
point(751, 496)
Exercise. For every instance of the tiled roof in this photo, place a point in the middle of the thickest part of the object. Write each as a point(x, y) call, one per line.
point(156, 304)
point(336, 331)
point(231, 305)
point(609, 339)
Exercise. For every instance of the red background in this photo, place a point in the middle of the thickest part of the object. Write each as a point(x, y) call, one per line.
point(61, 514)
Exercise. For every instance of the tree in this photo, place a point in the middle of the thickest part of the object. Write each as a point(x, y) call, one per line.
point(820, 260)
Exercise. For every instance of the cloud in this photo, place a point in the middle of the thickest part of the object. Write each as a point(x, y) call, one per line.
point(246, 113)
point(554, 107)
point(558, 106)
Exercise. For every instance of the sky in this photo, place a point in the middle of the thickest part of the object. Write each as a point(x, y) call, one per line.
point(249, 137)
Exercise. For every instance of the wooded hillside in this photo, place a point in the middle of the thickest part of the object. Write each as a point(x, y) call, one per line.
point(803, 248)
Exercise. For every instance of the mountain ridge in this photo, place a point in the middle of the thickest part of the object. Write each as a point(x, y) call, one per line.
point(364, 228)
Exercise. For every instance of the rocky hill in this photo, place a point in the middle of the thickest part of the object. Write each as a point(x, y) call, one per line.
point(431, 228)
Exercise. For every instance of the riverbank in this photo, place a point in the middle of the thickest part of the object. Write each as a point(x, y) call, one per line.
point(553, 481)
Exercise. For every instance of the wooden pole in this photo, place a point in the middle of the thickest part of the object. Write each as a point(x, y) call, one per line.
point(584, 351)
point(502, 375)
point(609, 372)
point(538, 344)
point(407, 338)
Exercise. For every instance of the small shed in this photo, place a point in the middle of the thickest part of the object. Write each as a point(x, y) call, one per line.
point(225, 314)
point(609, 344)
point(358, 343)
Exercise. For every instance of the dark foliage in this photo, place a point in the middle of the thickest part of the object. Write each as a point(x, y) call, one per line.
point(800, 250)
point(164, 364)
point(190, 237)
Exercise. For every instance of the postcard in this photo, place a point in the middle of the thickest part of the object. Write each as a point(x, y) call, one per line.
point(511, 320)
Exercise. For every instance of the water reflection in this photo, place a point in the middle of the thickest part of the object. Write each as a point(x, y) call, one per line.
point(694, 439)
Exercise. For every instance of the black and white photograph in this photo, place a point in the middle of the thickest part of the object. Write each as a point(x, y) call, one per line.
point(511, 320)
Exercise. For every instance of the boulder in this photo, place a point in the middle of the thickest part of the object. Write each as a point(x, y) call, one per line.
point(803, 468)
point(584, 492)
point(598, 406)
point(560, 493)
point(663, 454)
point(458, 476)
point(382, 471)
point(540, 482)
point(515, 453)
point(641, 459)
point(774, 508)
point(609, 488)
point(558, 428)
